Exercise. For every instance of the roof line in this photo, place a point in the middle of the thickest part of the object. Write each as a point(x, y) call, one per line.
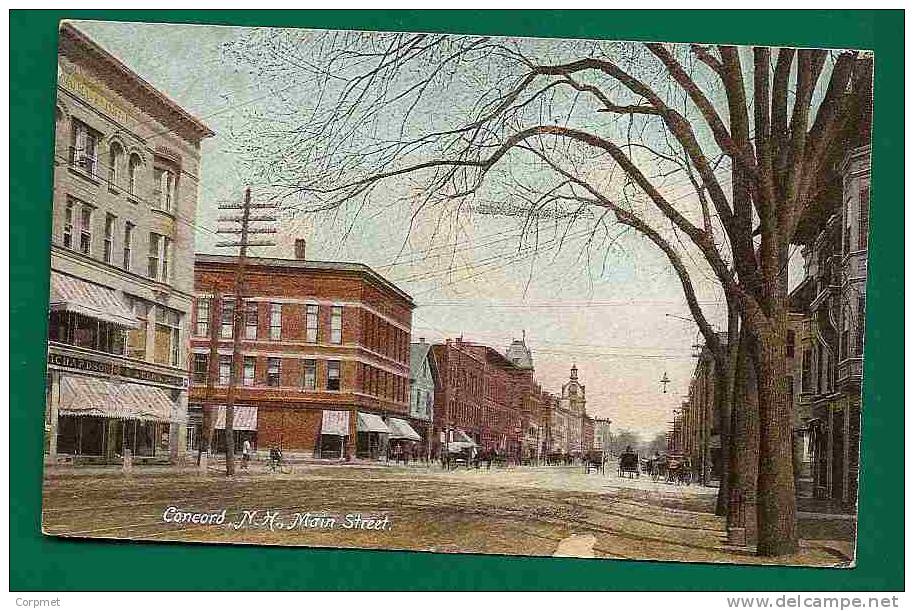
point(69, 29)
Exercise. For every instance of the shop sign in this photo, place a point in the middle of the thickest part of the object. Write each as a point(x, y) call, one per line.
point(114, 369)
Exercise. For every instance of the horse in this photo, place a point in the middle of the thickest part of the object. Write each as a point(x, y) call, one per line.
point(629, 465)
point(487, 456)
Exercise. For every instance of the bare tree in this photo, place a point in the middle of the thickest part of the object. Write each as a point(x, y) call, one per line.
point(650, 133)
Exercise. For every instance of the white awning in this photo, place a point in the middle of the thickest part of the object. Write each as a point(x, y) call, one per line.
point(401, 429)
point(335, 422)
point(459, 436)
point(371, 423)
point(244, 418)
point(69, 294)
point(459, 446)
point(86, 396)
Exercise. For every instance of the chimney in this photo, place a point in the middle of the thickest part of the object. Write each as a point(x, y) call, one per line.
point(421, 340)
point(300, 249)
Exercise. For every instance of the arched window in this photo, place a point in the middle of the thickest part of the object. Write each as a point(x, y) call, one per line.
point(133, 169)
point(115, 159)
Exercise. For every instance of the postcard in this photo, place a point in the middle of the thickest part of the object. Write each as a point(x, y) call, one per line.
point(457, 293)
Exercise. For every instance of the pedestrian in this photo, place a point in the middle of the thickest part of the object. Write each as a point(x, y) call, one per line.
point(245, 454)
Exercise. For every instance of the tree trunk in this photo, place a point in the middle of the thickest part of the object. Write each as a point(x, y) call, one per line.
point(723, 388)
point(744, 443)
point(777, 524)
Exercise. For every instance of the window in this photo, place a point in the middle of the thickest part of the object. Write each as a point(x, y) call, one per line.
point(311, 323)
point(84, 148)
point(201, 368)
point(845, 333)
point(250, 320)
point(152, 267)
point(333, 375)
point(791, 343)
point(68, 224)
point(861, 324)
point(136, 338)
point(85, 229)
point(109, 237)
point(201, 327)
point(275, 320)
point(806, 380)
point(228, 319)
point(128, 244)
point(309, 374)
point(167, 336)
point(864, 221)
point(225, 369)
point(166, 258)
point(115, 154)
point(273, 371)
point(336, 324)
point(164, 188)
point(133, 169)
point(247, 378)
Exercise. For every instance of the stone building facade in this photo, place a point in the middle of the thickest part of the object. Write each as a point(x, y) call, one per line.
point(126, 181)
point(326, 356)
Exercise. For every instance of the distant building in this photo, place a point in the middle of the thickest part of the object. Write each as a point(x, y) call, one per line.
point(126, 179)
point(422, 374)
point(602, 439)
point(326, 356)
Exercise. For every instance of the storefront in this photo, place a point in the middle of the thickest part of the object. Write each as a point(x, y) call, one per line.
point(98, 418)
point(244, 428)
point(405, 442)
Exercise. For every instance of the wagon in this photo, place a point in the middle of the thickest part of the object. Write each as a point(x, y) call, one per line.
point(629, 465)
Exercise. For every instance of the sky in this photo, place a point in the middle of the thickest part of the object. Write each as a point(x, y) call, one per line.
point(616, 312)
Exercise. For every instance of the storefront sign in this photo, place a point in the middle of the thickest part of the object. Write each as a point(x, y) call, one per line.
point(114, 369)
point(78, 84)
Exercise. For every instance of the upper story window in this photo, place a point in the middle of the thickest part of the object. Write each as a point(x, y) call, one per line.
point(136, 338)
point(152, 261)
point(864, 222)
point(201, 324)
point(791, 343)
point(167, 336)
point(275, 320)
point(333, 375)
point(250, 320)
point(133, 171)
point(247, 378)
point(69, 211)
point(166, 258)
point(108, 245)
point(84, 147)
point(225, 369)
point(201, 368)
point(128, 244)
point(311, 311)
point(336, 324)
point(115, 160)
point(309, 374)
point(273, 371)
point(228, 319)
point(85, 229)
point(164, 188)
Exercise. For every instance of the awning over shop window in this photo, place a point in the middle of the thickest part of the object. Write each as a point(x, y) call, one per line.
point(371, 423)
point(401, 429)
point(86, 396)
point(245, 418)
point(69, 294)
point(459, 436)
point(335, 422)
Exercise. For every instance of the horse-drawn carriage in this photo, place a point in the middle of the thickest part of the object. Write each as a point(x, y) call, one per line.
point(672, 469)
point(629, 464)
point(594, 460)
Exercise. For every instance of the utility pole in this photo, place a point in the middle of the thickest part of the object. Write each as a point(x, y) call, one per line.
point(240, 309)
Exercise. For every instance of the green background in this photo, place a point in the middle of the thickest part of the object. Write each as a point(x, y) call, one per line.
point(45, 563)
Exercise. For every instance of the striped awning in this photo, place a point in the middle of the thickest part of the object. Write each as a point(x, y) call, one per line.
point(371, 423)
point(401, 429)
point(69, 294)
point(86, 396)
point(335, 422)
point(245, 418)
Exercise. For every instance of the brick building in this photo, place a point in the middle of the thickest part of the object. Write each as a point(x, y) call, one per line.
point(126, 180)
point(326, 355)
point(488, 397)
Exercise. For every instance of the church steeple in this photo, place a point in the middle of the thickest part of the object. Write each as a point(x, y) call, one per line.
point(574, 372)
